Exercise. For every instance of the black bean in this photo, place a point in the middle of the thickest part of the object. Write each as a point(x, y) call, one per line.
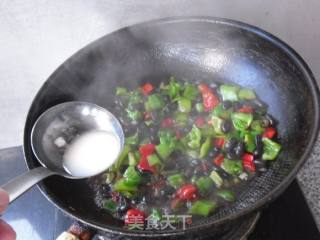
point(230, 144)
point(226, 105)
point(167, 191)
point(226, 126)
point(259, 146)
point(230, 155)
point(239, 149)
point(237, 105)
point(123, 205)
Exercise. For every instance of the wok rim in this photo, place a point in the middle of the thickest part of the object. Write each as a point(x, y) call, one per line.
point(275, 192)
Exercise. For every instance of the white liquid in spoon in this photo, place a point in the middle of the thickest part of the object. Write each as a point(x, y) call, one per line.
point(91, 153)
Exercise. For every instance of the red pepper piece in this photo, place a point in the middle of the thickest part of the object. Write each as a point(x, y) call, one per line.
point(147, 149)
point(134, 216)
point(270, 132)
point(218, 142)
point(147, 89)
point(147, 116)
point(178, 134)
point(245, 109)
point(210, 100)
point(167, 122)
point(187, 192)
point(144, 164)
point(247, 162)
point(200, 122)
point(218, 159)
point(115, 196)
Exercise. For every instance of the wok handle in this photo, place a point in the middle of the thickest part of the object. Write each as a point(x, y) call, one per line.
point(22, 183)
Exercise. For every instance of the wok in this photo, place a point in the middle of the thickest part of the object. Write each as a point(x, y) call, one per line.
point(209, 49)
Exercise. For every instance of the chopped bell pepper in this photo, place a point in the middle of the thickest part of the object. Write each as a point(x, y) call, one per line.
point(227, 195)
point(133, 139)
point(246, 94)
point(245, 109)
point(199, 122)
point(216, 123)
point(269, 132)
point(221, 113)
point(271, 149)
point(247, 162)
point(241, 121)
point(256, 127)
point(110, 205)
point(122, 185)
point(204, 184)
point(233, 167)
point(181, 119)
point(210, 100)
point(249, 142)
point(218, 142)
point(147, 89)
point(132, 176)
point(154, 102)
point(176, 180)
point(218, 181)
point(194, 138)
point(187, 192)
point(167, 123)
point(153, 160)
point(202, 208)
point(229, 92)
point(190, 91)
point(184, 105)
point(199, 107)
point(121, 91)
point(218, 160)
point(205, 147)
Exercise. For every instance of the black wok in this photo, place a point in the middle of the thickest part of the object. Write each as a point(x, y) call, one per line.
point(193, 48)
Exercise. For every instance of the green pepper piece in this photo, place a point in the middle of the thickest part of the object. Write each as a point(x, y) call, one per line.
point(134, 115)
point(204, 184)
point(256, 127)
point(229, 92)
point(154, 102)
point(205, 147)
point(181, 119)
point(172, 89)
point(133, 160)
point(227, 195)
point(163, 150)
point(241, 121)
point(156, 214)
point(233, 167)
point(202, 208)
point(221, 113)
point(184, 105)
point(247, 94)
point(121, 91)
point(199, 107)
point(110, 205)
point(194, 138)
point(218, 181)
point(131, 176)
point(271, 149)
point(134, 98)
point(153, 159)
point(190, 91)
point(176, 180)
point(192, 153)
point(116, 166)
point(123, 186)
point(133, 139)
point(249, 142)
point(216, 123)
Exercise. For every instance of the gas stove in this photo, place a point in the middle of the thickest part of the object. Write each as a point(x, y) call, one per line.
point(34, 217)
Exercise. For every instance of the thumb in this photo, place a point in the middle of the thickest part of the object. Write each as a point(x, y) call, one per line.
point(4, 200)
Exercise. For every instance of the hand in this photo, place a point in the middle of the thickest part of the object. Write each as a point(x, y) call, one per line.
point(6, 231)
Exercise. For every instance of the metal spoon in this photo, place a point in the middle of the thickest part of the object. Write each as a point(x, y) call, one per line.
point(51, 134)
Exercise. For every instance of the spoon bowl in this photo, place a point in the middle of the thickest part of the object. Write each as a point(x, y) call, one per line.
point(55, 131)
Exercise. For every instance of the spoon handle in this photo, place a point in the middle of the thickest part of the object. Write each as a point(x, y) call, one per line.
point(22, 183)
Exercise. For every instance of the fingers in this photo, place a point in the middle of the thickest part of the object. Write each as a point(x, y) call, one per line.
point(4, 200)
point(6, 232)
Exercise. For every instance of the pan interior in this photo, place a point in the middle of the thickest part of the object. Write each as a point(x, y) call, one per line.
point(191, 49)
